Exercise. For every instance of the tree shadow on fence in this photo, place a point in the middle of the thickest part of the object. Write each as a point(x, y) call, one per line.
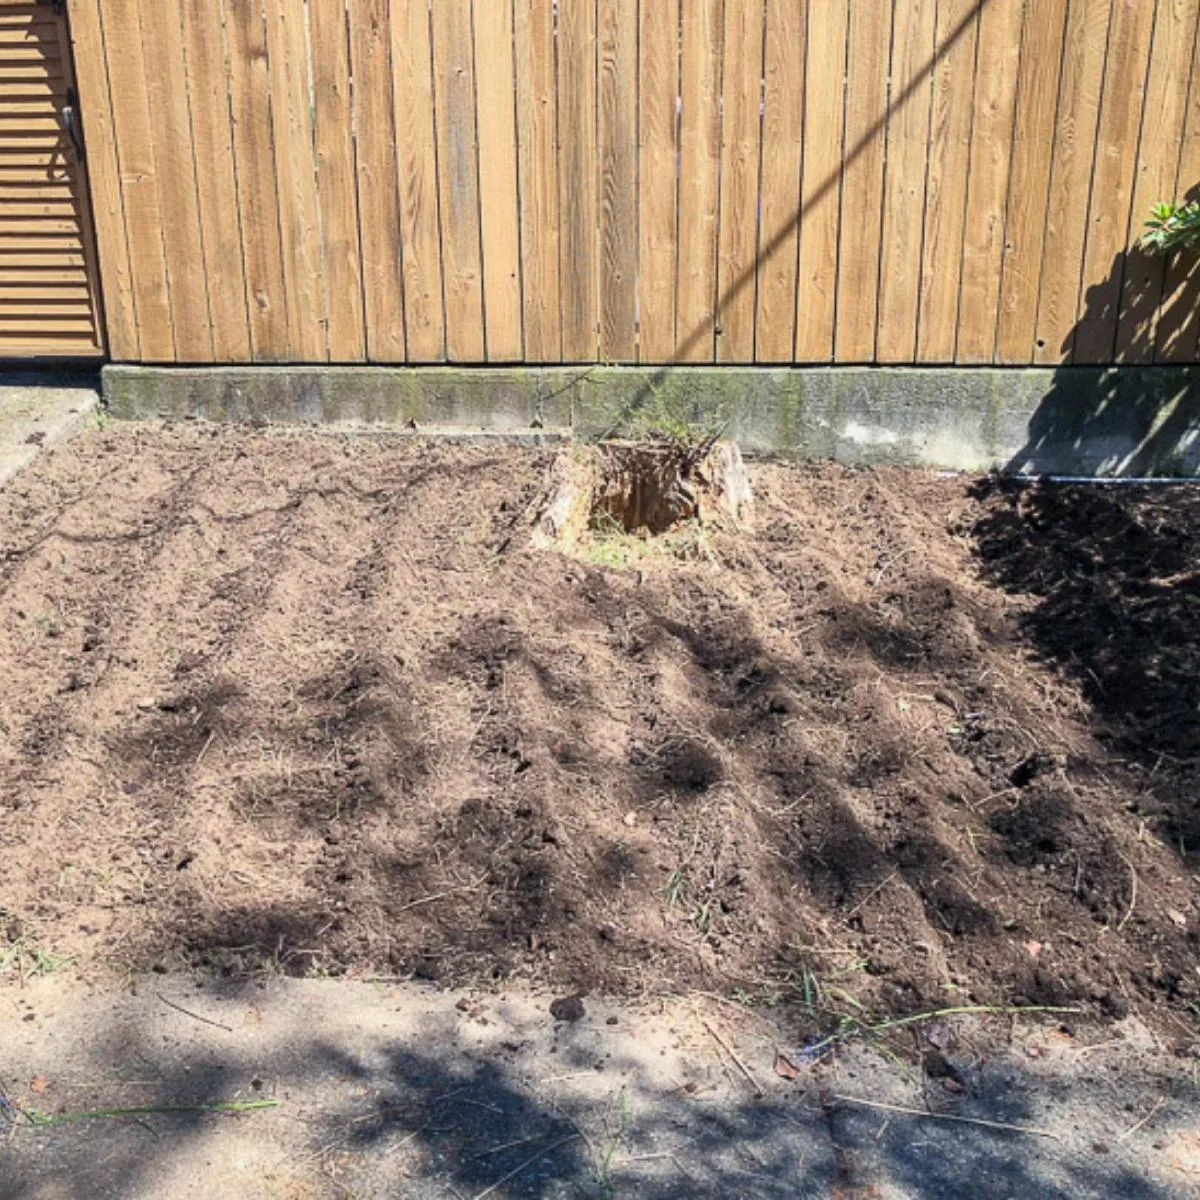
point(1116, 422)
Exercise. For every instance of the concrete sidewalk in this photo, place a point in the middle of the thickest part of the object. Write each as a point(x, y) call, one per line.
point(389, 1090)
point(38, 410)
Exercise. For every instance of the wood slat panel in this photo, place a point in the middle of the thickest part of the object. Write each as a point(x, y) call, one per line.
point(782, 137)
point(862, 180)
point(500, 220)
point(49, 161)
point(48, 326)
point(219, 214)
point(54, 347)
point(27, 188)
point(537, 114)
point(1070, 176)
point(458, 181)
point(737, 230)
point(828, 27)
point(910, 101)
point(296, 178)
point(254, 166)
point(69, 285)
point(28, 252)
point(1029, 183)
point(1178, 325)
point(16, 225)
point(618, 98)
point(1163, 118)
point(1116, 158)
point(50, 277)
point(37, 119)
point(174, 163)
point(946, 181)
point(17, 304)
point(379, 206)
point(63, 208)
point(658, 86)
point(337, 190)
point(424, 311)
point(700, 158)
point(37, 72)
point(577, 178)
point(1000, 24)
point(21, 53)
point(29, 90)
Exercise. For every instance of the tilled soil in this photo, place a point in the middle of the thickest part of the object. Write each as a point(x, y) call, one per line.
point(317, 705)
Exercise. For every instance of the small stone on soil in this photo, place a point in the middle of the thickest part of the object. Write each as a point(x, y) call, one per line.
point(568, 1008)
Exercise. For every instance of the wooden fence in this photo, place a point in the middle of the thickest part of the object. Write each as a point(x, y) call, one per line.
point(773, 181)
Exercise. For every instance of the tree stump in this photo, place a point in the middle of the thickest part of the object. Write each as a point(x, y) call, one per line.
point(644, 489)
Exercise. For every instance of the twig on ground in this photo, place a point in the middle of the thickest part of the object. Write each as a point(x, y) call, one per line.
point(983, 1009)
point(195, 1016)
point(741, 1066)
point(102, 1114)
point(1098, 1046)
point(637, 1158)
point(869, 896)
point(1033, 1131)
point(487, 1191)
point(466, 887)
point(1133, 875)
point(204, 749)
point(509, 1145)
point(1145, 1120)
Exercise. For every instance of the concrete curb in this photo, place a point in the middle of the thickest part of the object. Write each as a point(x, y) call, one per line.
point(1130, 421)
point(37, 414)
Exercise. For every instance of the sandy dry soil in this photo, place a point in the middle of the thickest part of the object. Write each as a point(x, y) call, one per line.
point(318, 706)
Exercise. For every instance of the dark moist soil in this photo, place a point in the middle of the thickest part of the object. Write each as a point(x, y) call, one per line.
point(317, 705)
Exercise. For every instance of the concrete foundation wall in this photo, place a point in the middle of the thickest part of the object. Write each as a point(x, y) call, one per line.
point(1132, 421)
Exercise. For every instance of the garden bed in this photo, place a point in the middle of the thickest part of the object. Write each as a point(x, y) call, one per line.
point(321, 705)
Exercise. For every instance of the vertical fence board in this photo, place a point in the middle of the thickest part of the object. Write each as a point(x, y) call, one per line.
point(337, 190)
point(249, 91)
point(378, 192)
point(700, 156)
point(577, 177)
point(421, 232)
point(296, 177)
point(91, 67)
point(904, 181)
point(658, 87)
point(208, 94)
point(869, 35)
point(1070, 177)
point(1000, 24)
point(174, 159)
point(618, 99)
point(1178, 325)
point(820, 197)
point(1112, 180)
point(458, 181)
point(142, 203)
point(500, 217)
point(537, 121)
point(737, 222)
point(782, 144)
point(946, 183)
point(1029, 181)
point(1162, 118)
